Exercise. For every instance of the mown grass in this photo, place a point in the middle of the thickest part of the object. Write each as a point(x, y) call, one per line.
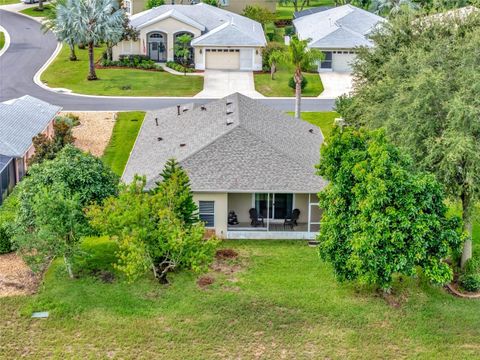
point(8, 2)
point(123, 138)
point(35, 12)
point(279, 87)
point(2, 40)
point(324, 120)
point(63, 73)
point(286, 11)
point(283, 303)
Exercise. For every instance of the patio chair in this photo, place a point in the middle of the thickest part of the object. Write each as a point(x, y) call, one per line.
point(255, 219)
point(292, 220)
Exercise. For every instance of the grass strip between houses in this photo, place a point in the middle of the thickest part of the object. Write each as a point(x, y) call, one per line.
point(123, 138)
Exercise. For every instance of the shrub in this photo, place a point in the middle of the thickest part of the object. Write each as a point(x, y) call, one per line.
point(289, 31)
point(132, 61)
point(153, 3)
point(470, 282)
point(472, 266)
point(5, 240)
point(178, 67)
point(271, 46)
point(291, 82)
point(8, 212)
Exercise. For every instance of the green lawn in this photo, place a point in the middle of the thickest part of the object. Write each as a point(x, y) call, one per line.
point(286, 12)
point(324, 120)
point(8, 2)
point(63, 73)
point(2, 40)
point(123, 137)
point(33, 11)
point(283, 303)
point(279, 87)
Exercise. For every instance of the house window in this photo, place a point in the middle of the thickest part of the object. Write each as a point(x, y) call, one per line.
point(327, 62)
point(207, 212)
point(127, 5)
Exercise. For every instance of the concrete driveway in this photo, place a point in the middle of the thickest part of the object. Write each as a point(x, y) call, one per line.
point(335, 84)
point(220, 83)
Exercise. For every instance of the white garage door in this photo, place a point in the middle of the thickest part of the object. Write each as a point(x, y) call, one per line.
point(341, 61)
point(223, 59)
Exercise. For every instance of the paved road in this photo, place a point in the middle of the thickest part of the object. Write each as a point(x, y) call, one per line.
point(30, 48)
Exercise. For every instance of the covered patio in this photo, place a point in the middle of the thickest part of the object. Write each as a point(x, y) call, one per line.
point(273, 216)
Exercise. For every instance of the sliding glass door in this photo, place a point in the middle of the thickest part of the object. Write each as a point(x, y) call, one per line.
point(275, 206)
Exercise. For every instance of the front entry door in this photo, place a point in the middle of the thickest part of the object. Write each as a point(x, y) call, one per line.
point(157, 50)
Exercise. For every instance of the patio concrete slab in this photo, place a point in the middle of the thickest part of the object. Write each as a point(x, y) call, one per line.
point(335, 84)
point(220, 83)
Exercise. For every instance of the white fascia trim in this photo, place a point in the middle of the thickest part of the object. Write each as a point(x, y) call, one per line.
point(173, 14)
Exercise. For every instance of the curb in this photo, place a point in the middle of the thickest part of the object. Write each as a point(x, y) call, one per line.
point(7, 40)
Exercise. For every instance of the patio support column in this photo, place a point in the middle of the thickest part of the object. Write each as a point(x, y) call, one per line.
point(309, 211)
point(268, 212)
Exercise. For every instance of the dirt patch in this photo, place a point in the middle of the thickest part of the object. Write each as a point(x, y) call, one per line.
point(16, 278)
point(94, 131)
point(226, 254)
point(205, 281)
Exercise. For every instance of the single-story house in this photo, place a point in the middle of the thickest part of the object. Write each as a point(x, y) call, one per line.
point(21, 120)
point(237, 6)
point(239, 155)
point(337, 32)
point(221, 39)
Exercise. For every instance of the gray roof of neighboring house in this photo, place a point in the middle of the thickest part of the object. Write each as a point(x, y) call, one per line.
point(342, 27)
point(234, 144)
point(21, 120)
point(219, 27)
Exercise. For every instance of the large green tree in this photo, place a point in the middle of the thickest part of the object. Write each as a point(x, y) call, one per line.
point(155, 230)
point(380, 217)
point(49, 217)
point(422, 84)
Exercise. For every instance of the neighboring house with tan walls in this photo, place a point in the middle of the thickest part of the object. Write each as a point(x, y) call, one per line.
point(240, 155)
point(221, 39)
point(21, 120)
point(237, 6)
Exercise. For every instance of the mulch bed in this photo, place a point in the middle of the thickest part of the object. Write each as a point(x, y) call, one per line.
point(16, 278)
point(226, 254)
point(454, 290)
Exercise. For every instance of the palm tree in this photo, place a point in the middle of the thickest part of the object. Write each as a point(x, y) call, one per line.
point(301, 57)
point(94, 22)
point(60, 22)
point(275, 58)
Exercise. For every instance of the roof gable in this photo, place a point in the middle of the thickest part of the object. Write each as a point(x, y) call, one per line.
point(228, 35)
point(341, 27)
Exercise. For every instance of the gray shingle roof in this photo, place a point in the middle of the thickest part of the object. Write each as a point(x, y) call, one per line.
point(234, 27)
point(20, 120)
point(342, 27)
point(261, 149)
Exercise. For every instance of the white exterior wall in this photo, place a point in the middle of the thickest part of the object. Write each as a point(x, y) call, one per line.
point(241, 203)
point(250, 58)
point(169, 26)
point(221, 210)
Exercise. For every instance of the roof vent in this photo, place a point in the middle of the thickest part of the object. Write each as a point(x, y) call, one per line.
point(183, 145)
point(185, 109)
point(156, 121)
point(229, 112)
point(229, 122)
point(178, 109)
point(229, 103)
point(159, 138)
point(203, 107)
point(310, 131)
